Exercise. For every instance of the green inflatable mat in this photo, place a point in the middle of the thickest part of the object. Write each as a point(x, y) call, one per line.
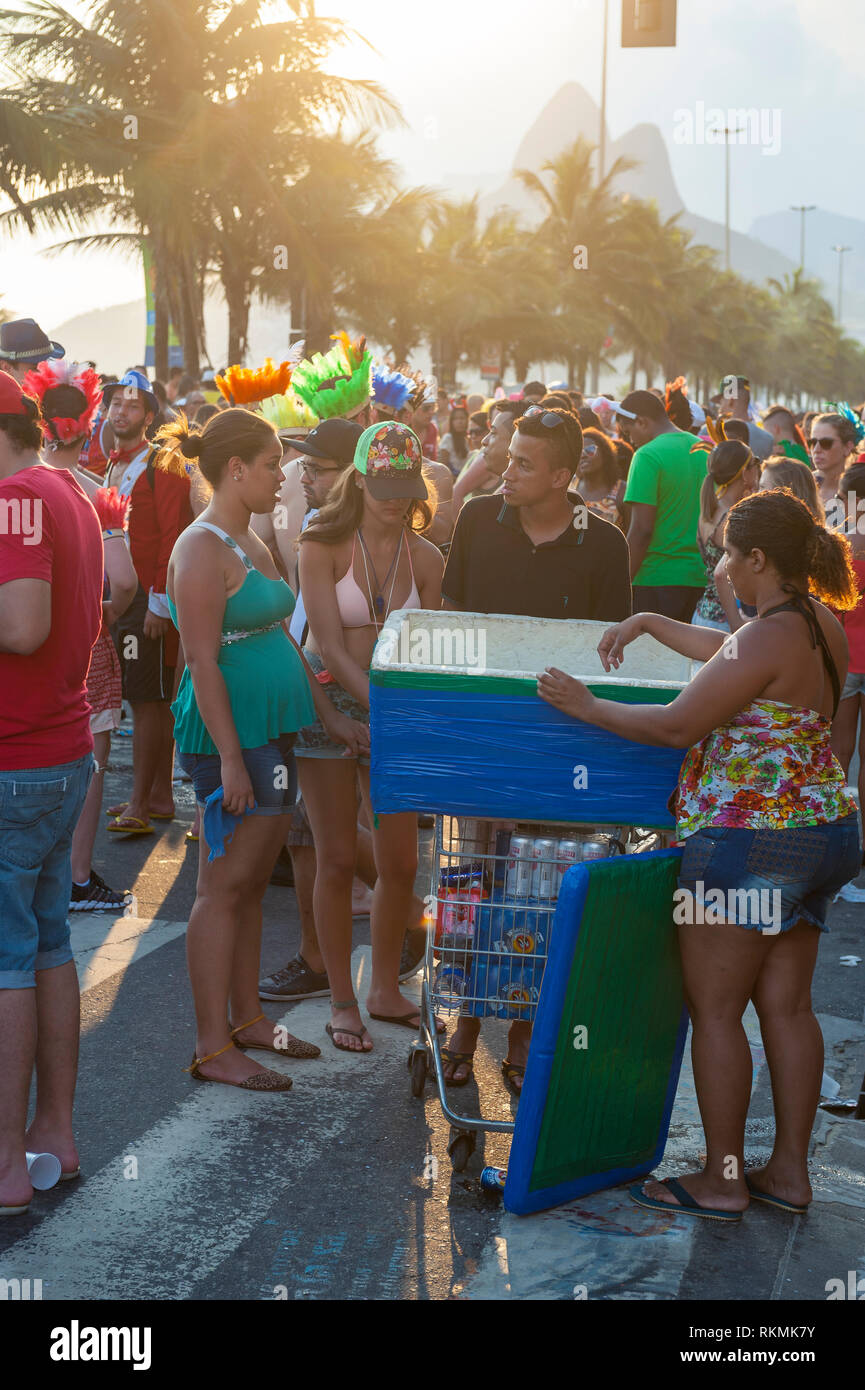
point(608, 1037)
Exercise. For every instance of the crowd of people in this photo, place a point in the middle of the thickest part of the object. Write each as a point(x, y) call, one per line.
point(219, 555)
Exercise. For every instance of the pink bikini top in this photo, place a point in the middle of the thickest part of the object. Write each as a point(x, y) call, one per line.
point(354, 606)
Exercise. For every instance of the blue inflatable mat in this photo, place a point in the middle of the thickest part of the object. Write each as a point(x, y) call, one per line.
point(608, 1037)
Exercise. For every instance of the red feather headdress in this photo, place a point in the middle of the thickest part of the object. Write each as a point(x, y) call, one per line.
point(53, 373)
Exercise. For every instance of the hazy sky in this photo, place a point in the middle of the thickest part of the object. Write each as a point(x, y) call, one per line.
point(471, 76)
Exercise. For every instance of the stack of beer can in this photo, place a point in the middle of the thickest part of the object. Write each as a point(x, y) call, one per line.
point(497, 893)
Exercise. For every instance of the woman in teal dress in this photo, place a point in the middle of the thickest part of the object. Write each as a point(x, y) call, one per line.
point(244, 694)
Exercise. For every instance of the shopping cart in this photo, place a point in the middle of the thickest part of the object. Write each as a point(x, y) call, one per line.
point(493, 893)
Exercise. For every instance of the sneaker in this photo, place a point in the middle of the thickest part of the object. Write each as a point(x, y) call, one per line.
point(283, 870)
point(294, 981)
point(413, 952)
point(96, 896)
point(850, 894)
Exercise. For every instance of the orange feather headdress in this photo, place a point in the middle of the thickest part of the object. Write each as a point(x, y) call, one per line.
point(249, 385)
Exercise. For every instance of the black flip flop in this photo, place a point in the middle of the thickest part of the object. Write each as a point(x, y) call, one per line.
point(509, 1071)
point(687, 1204)
point(352, 1033)
point(458, 1059)
point(760, 1195)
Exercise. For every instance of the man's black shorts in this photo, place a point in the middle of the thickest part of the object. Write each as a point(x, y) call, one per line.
point(146, 677)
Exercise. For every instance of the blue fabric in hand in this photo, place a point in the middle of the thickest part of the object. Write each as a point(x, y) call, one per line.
point(219, 824)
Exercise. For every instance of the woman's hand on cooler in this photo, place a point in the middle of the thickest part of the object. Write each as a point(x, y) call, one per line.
point(612, 645)
point(565, 692)
point(237, 794)
point(351, 732)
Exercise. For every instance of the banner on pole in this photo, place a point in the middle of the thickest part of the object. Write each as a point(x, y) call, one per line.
point(175, 349)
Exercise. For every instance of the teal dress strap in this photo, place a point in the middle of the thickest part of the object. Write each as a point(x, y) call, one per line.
point(229, 541)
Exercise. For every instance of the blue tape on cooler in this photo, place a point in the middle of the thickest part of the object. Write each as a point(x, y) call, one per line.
point(511, 757)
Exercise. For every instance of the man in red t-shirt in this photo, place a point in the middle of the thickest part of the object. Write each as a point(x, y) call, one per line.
point(51, 570)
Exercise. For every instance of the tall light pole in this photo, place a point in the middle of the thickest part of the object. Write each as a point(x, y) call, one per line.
point(802, 209)
point(602, 143)
point(727, 131)
point(841, 251)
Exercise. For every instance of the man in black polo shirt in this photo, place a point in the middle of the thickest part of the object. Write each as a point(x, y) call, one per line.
point(528, 551)
point(531, 552)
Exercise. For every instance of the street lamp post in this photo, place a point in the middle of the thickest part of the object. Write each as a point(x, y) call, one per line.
point(602, 142)
point(727, 131)
point(841, 252)
point(802, 209)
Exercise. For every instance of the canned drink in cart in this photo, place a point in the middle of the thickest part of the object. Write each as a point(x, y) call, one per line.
point(518, 877)
point(596, 847)
point(493, 1179)
point(451, 984)
point(543, 869)
point(568, 852)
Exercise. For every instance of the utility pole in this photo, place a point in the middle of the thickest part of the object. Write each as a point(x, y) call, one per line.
point(602, 142)
point(841, 252)
point(726, 131)
point(802, 209)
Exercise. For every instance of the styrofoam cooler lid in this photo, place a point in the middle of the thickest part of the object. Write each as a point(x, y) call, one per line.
point(502, 646)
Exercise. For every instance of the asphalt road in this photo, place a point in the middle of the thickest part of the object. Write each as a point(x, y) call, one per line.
point(342, 1189)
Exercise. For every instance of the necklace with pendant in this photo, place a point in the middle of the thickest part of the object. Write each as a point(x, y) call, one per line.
point(376, 599)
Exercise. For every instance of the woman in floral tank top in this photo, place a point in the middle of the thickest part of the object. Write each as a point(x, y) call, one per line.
point(770, 832)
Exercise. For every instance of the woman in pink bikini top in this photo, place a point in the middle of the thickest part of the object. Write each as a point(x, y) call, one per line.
point(361, 559)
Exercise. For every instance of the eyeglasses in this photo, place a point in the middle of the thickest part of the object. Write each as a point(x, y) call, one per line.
point(313, 470)
point(589, 450)
point(822, 441)
point(477, 433)
point(546, 417)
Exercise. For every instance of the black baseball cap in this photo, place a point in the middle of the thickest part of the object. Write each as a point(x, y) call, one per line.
point(332, 439)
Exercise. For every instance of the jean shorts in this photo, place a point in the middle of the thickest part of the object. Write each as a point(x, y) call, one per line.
point(768, 880)
point(314, 741)
point(39, 809)
point(271, 769)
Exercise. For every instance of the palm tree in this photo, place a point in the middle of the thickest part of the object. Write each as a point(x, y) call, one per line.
point(181, 121)
point(585, 236)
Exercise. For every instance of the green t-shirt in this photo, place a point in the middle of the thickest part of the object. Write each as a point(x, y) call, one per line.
point(666, 475)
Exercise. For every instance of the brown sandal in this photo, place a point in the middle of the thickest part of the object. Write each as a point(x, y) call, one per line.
point(262, 1080)
point(294, 1047)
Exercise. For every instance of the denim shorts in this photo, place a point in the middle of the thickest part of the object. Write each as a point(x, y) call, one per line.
point(314, 741)
point(39, 809)
point(271, 771)
point(769, 880)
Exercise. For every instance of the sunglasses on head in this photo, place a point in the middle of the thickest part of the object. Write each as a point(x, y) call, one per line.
point(546, 417)
point(822, 441)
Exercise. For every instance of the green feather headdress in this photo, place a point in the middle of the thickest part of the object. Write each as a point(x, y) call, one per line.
point(339, 383)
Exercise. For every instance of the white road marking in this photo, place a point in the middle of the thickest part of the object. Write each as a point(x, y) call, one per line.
point(161, 1234)
point(103, 945)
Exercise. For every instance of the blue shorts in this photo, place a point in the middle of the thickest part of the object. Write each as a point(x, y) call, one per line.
point(39, 809)
point(769, 880)
point(271, 769)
